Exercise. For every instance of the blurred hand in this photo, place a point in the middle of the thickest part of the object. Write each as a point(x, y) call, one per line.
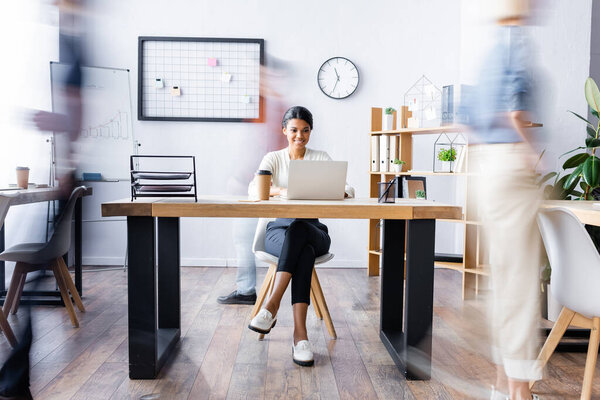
point(52, 122)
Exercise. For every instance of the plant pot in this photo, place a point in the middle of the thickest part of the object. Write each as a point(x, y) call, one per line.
point(445, 166)
point(396, 168)
point(388, 122)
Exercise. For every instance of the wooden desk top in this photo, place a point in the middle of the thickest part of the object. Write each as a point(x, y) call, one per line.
point(583, 209)
point(238, 206)
point(37, 195)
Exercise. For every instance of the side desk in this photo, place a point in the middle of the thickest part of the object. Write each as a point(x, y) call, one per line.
point(38, 195)
point(154, 308)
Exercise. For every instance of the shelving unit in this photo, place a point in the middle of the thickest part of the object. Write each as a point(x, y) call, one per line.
point(474, 267)
point(471, 266)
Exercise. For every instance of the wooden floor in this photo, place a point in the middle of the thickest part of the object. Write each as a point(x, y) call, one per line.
point(218, 357)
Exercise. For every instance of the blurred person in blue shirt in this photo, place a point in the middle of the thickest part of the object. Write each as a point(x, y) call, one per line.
point(502, 158)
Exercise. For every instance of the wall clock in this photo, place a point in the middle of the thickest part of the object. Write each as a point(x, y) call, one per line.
point(338, 78)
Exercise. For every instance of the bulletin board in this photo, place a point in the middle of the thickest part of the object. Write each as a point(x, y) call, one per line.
point(199, 79)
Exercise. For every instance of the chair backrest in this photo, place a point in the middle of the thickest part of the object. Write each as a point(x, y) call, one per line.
point(259, 236)
point(574, 260)
point(5, 200)
point(59, 243)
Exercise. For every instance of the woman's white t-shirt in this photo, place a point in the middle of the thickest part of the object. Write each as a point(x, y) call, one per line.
point(278, 162)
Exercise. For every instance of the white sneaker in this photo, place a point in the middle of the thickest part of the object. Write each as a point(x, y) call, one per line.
point(302, 354)
point(263, 322)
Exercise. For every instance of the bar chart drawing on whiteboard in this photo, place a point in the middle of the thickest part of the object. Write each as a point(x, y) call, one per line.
point(116, 127)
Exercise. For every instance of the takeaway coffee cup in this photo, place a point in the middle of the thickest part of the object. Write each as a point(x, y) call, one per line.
point(23, 177)
point(263, 183)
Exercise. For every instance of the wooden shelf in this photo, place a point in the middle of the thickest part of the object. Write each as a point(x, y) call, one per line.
point(375, 252)
point(421, 131)
point(427, 173)
point(457, 266)
point(436, 129)
point(481, 270)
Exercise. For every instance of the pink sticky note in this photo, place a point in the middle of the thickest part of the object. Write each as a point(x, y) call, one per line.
point(212, 62)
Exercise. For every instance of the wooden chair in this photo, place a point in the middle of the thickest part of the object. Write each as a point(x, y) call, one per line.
point(316, 292)
point(5, 201)
point(36, 256)
point(575, 275)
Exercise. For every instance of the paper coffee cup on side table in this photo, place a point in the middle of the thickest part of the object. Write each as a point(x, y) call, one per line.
point(263, 183)
point(23, 177)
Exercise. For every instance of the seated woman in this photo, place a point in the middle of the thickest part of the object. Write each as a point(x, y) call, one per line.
point(297, 242)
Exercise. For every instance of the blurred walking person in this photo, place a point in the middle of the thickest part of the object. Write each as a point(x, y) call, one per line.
point(503, 153)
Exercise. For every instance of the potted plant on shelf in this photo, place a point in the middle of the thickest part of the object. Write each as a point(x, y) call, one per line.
point(420, 194)
point(388, 121)
point(398, 165)
point(447, 156)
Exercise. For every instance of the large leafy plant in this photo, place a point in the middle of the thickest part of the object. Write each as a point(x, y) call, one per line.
point(582, 170)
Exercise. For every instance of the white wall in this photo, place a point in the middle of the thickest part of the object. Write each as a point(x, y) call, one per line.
point(28, 41)
point(392, 43)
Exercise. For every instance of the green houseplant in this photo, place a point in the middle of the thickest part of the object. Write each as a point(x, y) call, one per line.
point(447, 154)
point(581, 178)
point(420, 194)
point(388, 121)
point(397, 165)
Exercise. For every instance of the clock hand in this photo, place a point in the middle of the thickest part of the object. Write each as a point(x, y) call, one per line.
point(336, 73)
point(336, 82)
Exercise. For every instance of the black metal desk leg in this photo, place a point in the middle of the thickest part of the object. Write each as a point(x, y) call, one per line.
point(409, 344)
point(418, 311)
point(392, 291)
point(141, 293)
point(78, 228)
point(153, 299)
point(169, 290)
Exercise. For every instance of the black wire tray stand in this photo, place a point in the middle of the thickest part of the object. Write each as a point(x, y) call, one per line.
point(147, 183)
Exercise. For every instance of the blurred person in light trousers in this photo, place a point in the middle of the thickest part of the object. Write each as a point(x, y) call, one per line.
point(502, 154)
point(267, 138)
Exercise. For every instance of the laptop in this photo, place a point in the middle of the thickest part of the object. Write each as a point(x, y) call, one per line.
point(316, 180)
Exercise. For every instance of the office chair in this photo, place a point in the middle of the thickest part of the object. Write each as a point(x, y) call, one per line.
point(5, 200)
point(36, 256)
point(316, 292)
point(575, 275)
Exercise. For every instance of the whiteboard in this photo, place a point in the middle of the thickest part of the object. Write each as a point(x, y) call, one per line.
point(199, 79)
point(106, 140)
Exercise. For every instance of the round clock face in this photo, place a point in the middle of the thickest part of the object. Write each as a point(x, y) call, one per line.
point(338, 77)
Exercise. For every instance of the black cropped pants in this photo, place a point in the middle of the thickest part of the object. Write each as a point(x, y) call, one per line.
point(297, 242)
